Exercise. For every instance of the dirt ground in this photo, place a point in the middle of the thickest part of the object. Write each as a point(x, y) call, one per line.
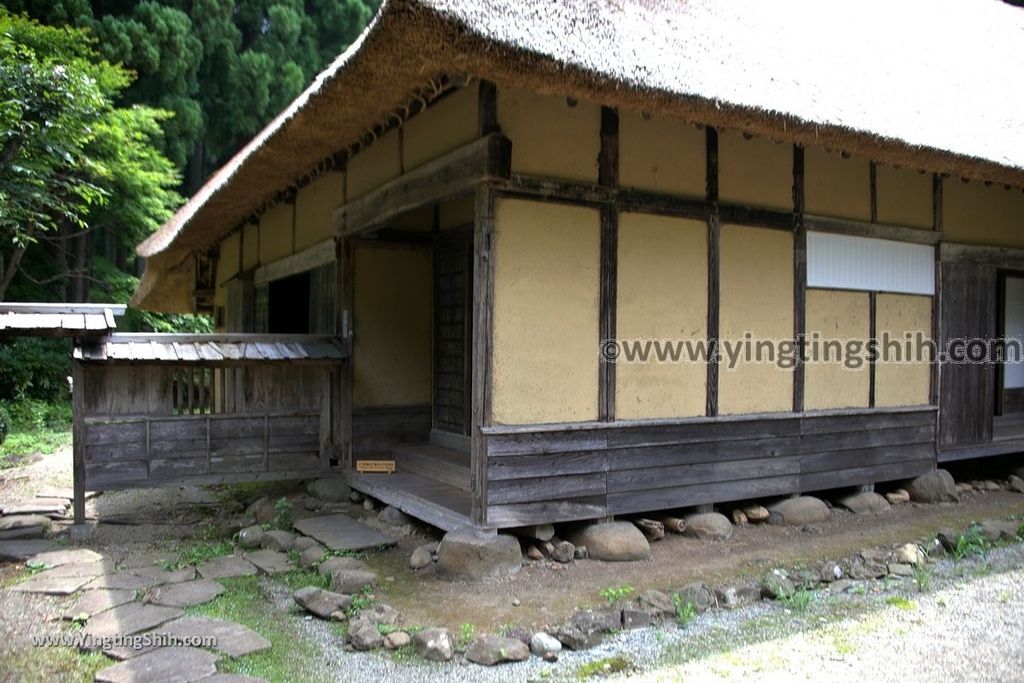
point(542, 593)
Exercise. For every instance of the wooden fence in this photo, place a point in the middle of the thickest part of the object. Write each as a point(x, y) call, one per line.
point(161, 410)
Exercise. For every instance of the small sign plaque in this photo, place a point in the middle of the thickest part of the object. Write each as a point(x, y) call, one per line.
point(375, 466)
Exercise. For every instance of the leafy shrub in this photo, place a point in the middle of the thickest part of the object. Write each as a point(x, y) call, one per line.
point(5, 422)
point(35, 369)
point(283, 514)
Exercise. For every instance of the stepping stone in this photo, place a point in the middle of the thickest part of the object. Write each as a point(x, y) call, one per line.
point(183, 664)
point(270, 561)
point(84, 569)
point(226, 567)
point(56, 558)
point(186, 594)
point(232, 639)
point(154, 559)
point(18, 551)
point(94, 602)
point(51, 507)
point(127, 582)
point(52, 585)
point(23, 526)
point(64, 492)
point(165, 576)
point(341, 532)
point(128, 619)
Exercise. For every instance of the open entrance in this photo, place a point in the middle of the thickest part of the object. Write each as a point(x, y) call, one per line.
point(288, 305)
point(1009, 384)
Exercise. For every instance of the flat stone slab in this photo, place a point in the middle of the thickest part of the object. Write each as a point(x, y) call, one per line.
point(232, 639)
point(127, 582)
point(183, 664)
point(18, 551)
point(186, 594)
point(153, 559)
point(90, 569)
point(226, 567)
point(128, 619)
point(341, 532)
point(165, 576)
point(38, 506)
point(52, 585)
point(270, 561)
point(63, 492)
point(94, 602)
point(23, 526)
point(56, 558)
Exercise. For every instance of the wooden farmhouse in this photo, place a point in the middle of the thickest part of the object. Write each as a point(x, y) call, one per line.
point(458, 213)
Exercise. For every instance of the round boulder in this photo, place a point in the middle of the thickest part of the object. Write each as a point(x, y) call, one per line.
point(936, 486)
point(469, 554)
point(708, 526)
point(613, 541)
point(250, 537)
point(329, 489)
point(864, 503)
point(799, 511)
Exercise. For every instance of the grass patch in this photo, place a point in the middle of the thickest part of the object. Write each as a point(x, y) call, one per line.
point(465, 637)
point(198, 553)
point(298, 578)
point(685, 611)
point(970, 543)
point(44, 664)
point(606, 666)
point(20, 446)
point(799, 600)
point(290, 657)
point(614, 595)
point(900, 602)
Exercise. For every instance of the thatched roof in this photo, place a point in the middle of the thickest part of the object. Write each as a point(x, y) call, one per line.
point(930, 84)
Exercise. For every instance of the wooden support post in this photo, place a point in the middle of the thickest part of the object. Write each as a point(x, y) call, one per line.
point(872, 345)
point(935, 377)
point(483, 313)
point(873, 188)
point(345, 330)
point(78, 444)
point(714, 240)
point(799, 277)
point(608, 176)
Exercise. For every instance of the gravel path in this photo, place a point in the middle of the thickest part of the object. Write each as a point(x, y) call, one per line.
point(968, 626)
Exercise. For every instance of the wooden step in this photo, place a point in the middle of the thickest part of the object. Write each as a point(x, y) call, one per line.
point(440, 464)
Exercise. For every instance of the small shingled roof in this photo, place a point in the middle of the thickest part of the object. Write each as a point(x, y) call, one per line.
point(201, 348)
point(930, 84)
point(58, 320)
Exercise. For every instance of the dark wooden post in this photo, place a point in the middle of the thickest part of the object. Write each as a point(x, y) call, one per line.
point(608, 176)
point(714, 299)
point(78, 445)
point(799, 277)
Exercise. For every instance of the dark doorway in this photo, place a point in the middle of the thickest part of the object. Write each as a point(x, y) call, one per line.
point(288, 305)
point(453, 323)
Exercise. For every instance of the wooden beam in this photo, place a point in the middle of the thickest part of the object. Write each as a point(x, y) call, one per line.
point(799, 277)
point(487, 109)
point(873, 188)
point(714, 276)
point(608, 176)
point(345, 294)
point(1003, 257)
point(846, 226)
point(937, 220)
point(483, 160)
point(312, 257)
point(483, 336)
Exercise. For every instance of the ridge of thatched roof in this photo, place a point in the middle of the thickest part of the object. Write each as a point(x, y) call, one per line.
point(931, 84)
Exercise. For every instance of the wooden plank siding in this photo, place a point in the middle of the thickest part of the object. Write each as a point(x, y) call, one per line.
point(551, 473)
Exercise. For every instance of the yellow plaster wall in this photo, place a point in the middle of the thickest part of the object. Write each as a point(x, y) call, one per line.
point(902, 384)
point(662, 155)
point(549, 137)
point(457, 212)
point(227, 260)
point(392, 294)
point(373, 166)
point(250, 246)
point(974, 213)
point(661, 295)
point(314, 205)
point(443, 127)
point(546, 287)
point(756, 296)
point(834, 186)
point(840, 316)
point(904, 197)
point(276, 232)
point(755, 172)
